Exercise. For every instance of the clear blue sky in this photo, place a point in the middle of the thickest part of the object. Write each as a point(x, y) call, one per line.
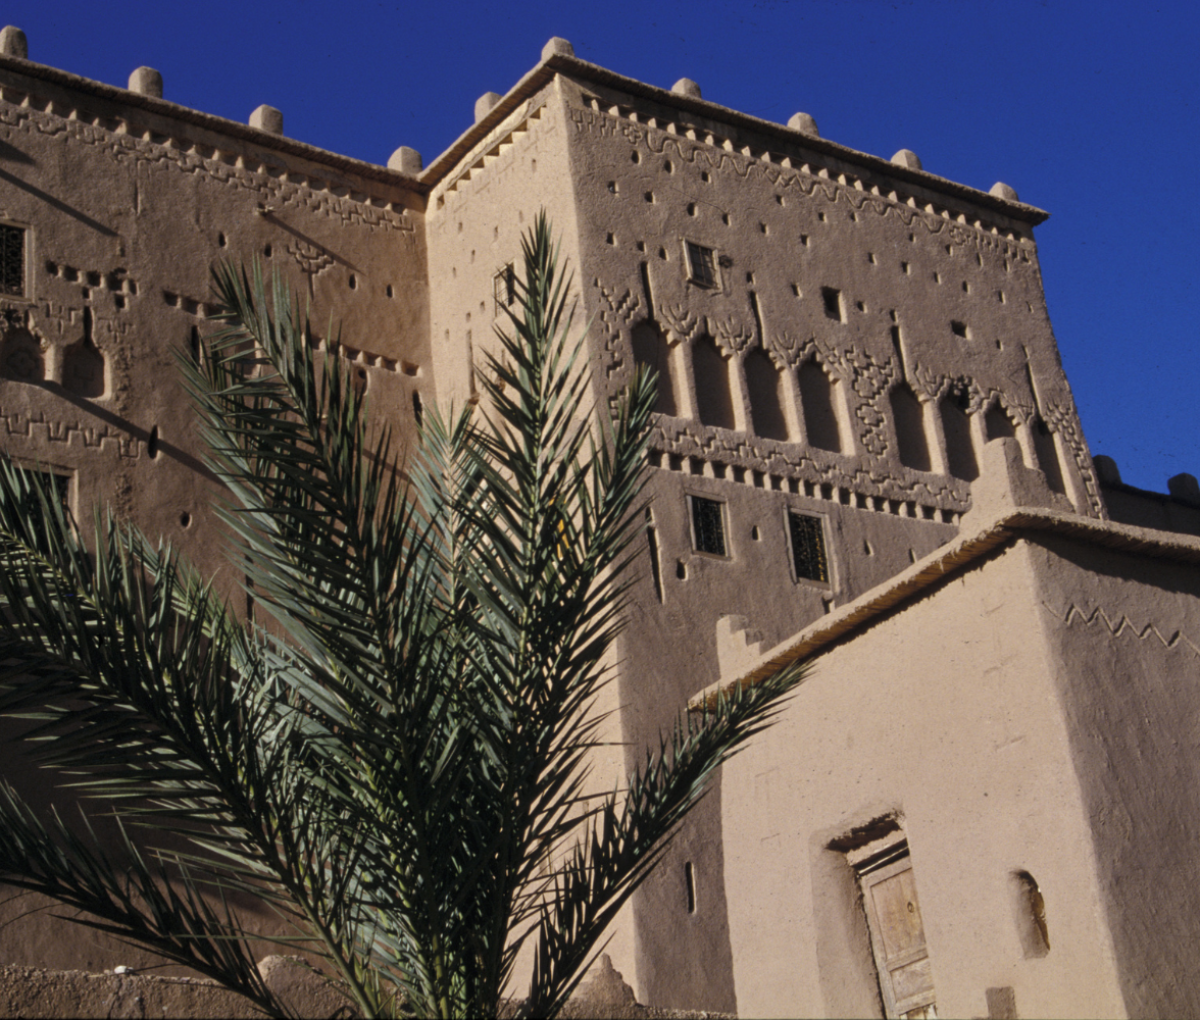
point(1088, 109)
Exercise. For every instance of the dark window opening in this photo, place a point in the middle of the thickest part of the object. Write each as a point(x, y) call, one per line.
point(708, 526)
point(833, 302)
point(12, 260)
point(702, 269)
point(808, 548)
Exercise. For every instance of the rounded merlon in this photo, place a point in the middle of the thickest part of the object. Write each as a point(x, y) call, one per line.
point(1004, 191)
point(1184, 486)
point(485, 103)
point(908, 158)
point(267, 118)
point(804, 123)
point(13, 42)
point(406, 160)
point(557, 45)
point(686, 87)
point(1107, 470)
point(147, 81)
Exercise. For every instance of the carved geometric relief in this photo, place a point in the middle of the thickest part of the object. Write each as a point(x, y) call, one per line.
point(21, 357)
point(83, 369)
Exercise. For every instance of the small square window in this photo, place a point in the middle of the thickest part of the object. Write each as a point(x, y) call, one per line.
point(702, 268)
point(708, 526)
point(808, 547)
point(12, 260)
point(832, 299)
point(504, 287)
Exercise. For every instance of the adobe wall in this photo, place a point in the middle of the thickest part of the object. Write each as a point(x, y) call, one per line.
point(1123, 636)
point(937, 340)
point(126, 201)
point(946, 715)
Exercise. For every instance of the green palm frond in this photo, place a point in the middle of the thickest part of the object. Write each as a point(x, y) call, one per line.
point(395, 753)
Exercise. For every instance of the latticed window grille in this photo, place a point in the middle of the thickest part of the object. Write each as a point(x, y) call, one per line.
point(708, 525)
point(12, 260)
point(504, 287)
point(808, 547)
point(702, 269)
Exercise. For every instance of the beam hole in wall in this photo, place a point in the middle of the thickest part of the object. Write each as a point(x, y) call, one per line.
point(966, 287)
point(860, 305)
point(818, 397)
point(649, 196)
point(635, 157)
point(609, 239)
point(612, 187)
point(691, 208)
point(1000, 296)
point(662, 254)
point(905, 268)
point(267, 251)
point(418, 409)
point(821, 217)
point(389, 291)
point(680, 570)
point(754, 534)
point(908, 417)
point(796, 289)
point(867, 550)
point(668, 166)
point(222, 240)
point(871, 258)
point(764, 384)
point(353, 281)
point(960, 330)
point(725, 218)
point(152, 443)
point(689, 879)
point(185, 519)
point(937, 277)
point(704, 176)
point(804, 240)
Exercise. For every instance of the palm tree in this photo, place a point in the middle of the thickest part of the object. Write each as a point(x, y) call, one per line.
point(394, 753)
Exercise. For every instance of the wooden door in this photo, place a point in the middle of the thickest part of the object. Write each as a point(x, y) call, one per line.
point(898, 939)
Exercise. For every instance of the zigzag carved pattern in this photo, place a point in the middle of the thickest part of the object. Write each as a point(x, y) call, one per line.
point(1118, 625)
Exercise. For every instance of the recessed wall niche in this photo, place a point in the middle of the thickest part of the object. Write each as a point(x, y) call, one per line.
point(650, 349)
point(713, 392)
point(764, 382)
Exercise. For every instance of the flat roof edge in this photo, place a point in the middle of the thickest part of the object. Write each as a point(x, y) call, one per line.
point(211, 122)
point(559, 62)
point(932, 570)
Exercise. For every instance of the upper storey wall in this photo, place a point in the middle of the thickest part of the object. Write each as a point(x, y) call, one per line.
point(478, 212)
point(122, 203)
point(919, 301)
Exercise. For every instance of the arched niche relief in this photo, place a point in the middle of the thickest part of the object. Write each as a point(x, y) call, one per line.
point(1047, 455)
point(961, 460)
point(908, 419)
point(83, 369)
point(765, 387)
point(650, 349)
point(997, 424)
point(714, 389)
point(21, 357)
point(820, 401)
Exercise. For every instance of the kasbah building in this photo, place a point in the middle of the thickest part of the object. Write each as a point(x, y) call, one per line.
point(866, 453)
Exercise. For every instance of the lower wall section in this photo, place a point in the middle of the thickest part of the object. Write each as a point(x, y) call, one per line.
point(941, 725)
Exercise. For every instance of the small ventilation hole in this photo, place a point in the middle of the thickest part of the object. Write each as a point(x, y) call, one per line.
point(185, 519)
point(418, 409)
point(267, 251)
point(681, 570)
